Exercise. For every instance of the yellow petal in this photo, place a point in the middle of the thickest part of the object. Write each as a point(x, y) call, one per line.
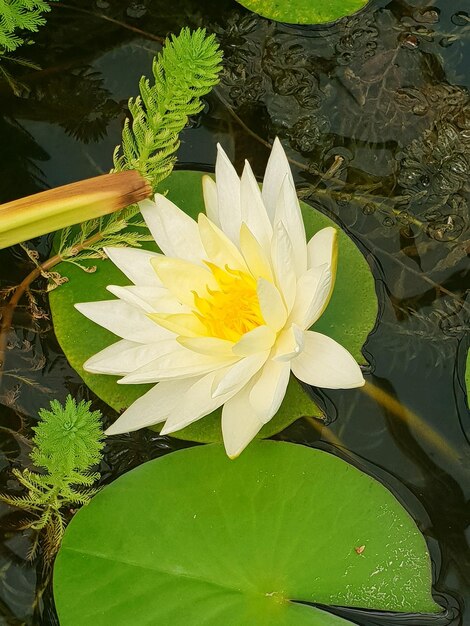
point(207, 345)
point(255, 258)
point(185, 324)
point(289, 344)
point(272, 305)
point(257, 340)
point(220, 250)
point(183, 278)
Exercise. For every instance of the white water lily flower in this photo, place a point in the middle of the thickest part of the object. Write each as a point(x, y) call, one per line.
point(222, 316)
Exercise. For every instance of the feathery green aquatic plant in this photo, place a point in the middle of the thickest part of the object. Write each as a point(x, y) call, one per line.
point(18, 15)
point(184, 71)
point(67, 444)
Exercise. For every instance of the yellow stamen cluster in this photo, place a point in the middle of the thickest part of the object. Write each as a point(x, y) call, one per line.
point(232, 310)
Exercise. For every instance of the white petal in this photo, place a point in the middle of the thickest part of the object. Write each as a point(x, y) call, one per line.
point(240, 423)
point(282, 255)
point(255, 257)
point(124, 357)
point(151, 408)
point(122, 319)
point(184, 324)
point(271, 304)
point(175, 232)
point(269, 389)
point(211, 201)
point(177, 362)
point(288, 212)
point(253, 211)
point(313, 290)
point(325, 363)
point(195, 403)
point(289, 344)
point(167, 303)
point(322, 247)
point(228, 193)
point(182, 278)
point(111, 353)
point(135, 264)
point(207, 345)
point(218, 247)
point(276, 171)
point(259, 339)
point(239, 374)
point(149, 299)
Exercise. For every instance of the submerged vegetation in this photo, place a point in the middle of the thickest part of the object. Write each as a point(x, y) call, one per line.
point(67, 444)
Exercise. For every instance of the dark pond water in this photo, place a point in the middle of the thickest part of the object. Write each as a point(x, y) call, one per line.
point(387, 91)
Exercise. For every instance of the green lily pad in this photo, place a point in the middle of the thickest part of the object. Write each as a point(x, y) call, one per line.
point(349, 317)
point(304, 11)
point(240, 542)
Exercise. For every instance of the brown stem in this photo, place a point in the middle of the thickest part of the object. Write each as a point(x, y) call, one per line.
point(262, 141)
point(134, 29)
point(23, 287)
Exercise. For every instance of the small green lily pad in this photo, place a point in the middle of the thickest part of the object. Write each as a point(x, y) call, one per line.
point(202, 540)
point(349, 317)
point(304, 11)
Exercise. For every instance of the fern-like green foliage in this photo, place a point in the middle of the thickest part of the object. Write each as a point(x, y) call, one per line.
point(67, 444)
point(17, 16)
point(184, 71)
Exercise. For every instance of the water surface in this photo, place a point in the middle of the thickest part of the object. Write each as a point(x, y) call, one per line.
point(374, 112)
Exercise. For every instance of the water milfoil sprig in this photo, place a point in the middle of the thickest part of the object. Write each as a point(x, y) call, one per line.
point(186, 70)
point(17, 16)
point(67, 444)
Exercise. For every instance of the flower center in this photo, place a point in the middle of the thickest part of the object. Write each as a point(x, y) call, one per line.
point(232, 310)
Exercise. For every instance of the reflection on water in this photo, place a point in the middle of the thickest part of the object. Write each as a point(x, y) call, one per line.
point(375, 115)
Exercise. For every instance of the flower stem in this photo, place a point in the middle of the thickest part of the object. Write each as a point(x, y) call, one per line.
point(101, 16)
point(425, 431)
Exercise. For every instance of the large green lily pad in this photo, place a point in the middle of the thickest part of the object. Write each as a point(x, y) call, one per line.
point(194, 539)
point(350, 316)
point(304, 11)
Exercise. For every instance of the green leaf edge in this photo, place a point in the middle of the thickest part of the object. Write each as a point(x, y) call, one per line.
point(289, 12)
